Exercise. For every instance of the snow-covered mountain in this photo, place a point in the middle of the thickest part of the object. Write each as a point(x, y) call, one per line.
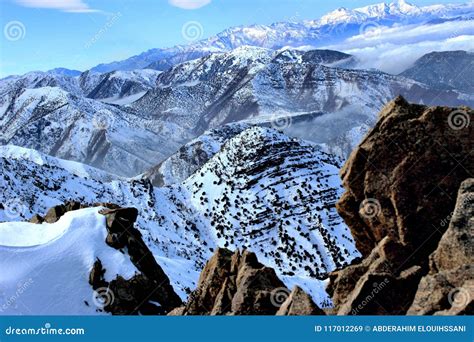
point(119, 85)
point(52, 114)
point(233, 141)
point(280, 88)
point(38, 79)
point(263, 190)
point(192, 156)
point(332, 28)
point(64, 72)
point(110, 87)
point(69, 126)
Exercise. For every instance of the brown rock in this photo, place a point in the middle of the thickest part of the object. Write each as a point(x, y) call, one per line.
point(55, 213)
point(401, 184)
point(382, 294)
point(96, 276)
point(448, 289)
point(177, 311)
point(386, 259)
point(299, 303)
point(237, 284)
point(36, 219)
point(405, 175)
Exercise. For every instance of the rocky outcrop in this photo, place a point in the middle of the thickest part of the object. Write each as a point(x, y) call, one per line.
point(56, 212)
point(448, 288)
point(404, 176)
point(237, 284)
point(299, 303)
point(138, 294)
point(401, 185)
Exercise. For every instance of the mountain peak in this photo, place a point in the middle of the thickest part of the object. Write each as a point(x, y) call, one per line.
point(376, 11)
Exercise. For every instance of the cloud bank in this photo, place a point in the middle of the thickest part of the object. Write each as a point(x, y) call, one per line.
point(394, 49)
point(71, 6)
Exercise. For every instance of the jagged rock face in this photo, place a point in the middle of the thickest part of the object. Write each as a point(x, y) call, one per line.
point(401, 184)
point(237, 284)
point(384, 194)
point(445, 70)
point(448, 289)
point(152, 284)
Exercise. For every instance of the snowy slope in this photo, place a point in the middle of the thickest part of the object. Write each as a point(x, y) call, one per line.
point(119, 84)
point(20, 154)
point(262, 190)
point(50, 264)
point(191, 156)
point(61, 124)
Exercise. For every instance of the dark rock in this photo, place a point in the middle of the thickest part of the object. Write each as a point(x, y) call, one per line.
point(96, 276)
point(299, 303)
point(448, 289)
point(55, 213)
point(36, 219)
point(152, 284)
point(401, 184)
point(237, 284)
point(408, 170)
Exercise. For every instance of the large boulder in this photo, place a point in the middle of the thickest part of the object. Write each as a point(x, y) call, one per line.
point(401, 186)
point(403, 178)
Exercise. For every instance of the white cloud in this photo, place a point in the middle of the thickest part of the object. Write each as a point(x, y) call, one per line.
point(395, 49)
point(393, 58)
point(73, 6)
point(189, 4)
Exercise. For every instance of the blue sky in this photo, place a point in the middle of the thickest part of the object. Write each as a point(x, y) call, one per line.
point(78, 34)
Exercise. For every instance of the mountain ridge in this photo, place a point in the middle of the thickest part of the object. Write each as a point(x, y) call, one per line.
point(180, 226)
point(314, 30)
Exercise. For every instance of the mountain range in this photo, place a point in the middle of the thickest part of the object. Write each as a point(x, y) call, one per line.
point(332, 28)
point(143, 116)
point(235, 141)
